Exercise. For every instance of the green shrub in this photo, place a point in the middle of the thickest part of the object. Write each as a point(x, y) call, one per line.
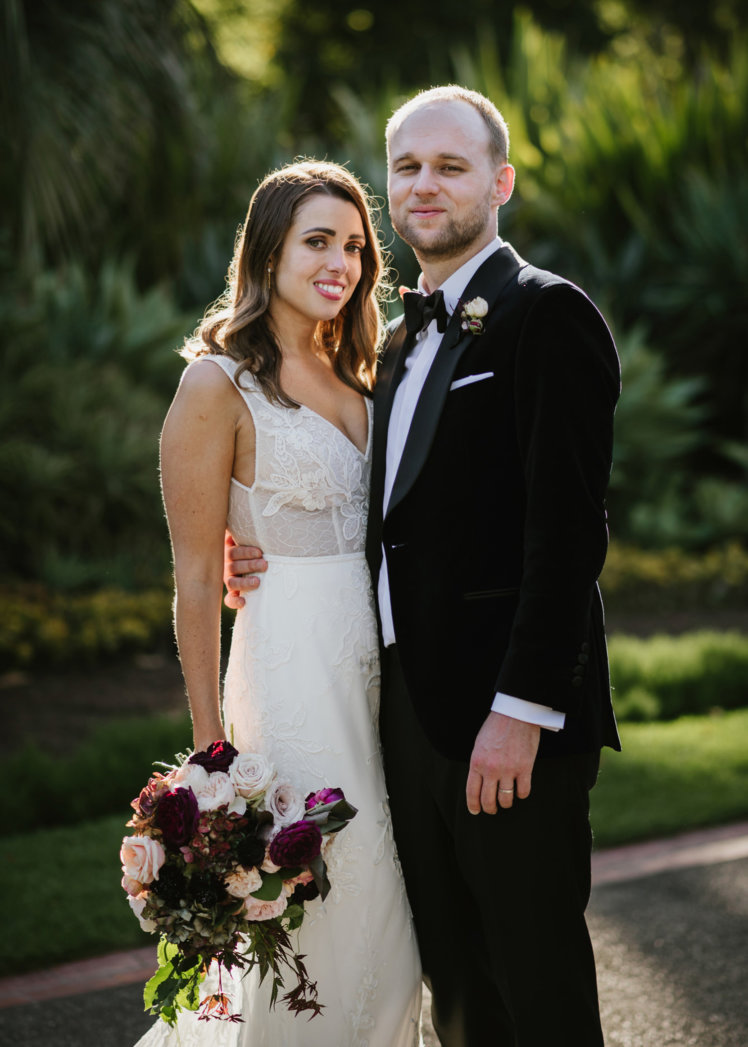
point(39, 627)
point(670, 579)
point(101, 777)
point(87, 370)
point(664, 677)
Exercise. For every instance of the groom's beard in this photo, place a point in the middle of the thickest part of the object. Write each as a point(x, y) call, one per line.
point(454, 238)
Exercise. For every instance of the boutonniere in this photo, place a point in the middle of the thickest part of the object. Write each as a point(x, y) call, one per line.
point(472, 313)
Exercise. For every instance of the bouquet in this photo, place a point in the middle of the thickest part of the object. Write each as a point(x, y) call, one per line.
point(223, 857)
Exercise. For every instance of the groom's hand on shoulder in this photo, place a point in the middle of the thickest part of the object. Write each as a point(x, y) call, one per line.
point(501, 763)
point(241, 563)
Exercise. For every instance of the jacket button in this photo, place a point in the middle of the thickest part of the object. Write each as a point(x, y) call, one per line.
point(583, 659)
point(585, 647)
point(576, 681)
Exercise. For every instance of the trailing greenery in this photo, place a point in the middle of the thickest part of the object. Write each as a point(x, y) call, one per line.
point(72, 874)
point(664, 677)
point(100, 777)
point(648, 789)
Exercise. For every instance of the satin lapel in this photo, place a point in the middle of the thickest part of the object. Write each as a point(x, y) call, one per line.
point(493, 278)
point(388, 376)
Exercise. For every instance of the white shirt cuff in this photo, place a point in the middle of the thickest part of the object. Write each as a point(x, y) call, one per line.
point(529, 712)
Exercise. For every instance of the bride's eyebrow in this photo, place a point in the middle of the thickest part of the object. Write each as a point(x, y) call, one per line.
point(331, 232)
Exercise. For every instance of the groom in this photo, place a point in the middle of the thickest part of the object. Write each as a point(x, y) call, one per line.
point(493, 436)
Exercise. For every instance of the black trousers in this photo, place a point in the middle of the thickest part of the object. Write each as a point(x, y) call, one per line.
point(498, 900)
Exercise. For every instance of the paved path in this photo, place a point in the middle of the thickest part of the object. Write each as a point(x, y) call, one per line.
point(669, 921)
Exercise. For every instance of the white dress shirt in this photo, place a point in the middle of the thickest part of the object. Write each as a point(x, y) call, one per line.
point(417, 366)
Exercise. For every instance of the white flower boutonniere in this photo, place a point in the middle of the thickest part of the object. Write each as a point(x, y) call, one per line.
point(472, 314)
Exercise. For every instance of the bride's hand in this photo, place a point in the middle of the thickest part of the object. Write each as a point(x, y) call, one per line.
point(240, 565)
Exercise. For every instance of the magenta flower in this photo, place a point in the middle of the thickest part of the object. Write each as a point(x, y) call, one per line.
point(297, 844)
point(323, 796)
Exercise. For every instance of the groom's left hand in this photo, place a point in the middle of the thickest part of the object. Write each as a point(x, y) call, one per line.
point(501, 763)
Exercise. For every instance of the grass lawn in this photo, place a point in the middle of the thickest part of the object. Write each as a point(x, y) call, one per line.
point(671, 777)
point(61, 886)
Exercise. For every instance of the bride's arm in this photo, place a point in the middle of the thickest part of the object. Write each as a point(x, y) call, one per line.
point(197, 455)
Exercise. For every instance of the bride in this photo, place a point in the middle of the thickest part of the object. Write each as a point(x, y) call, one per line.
point(269, 435)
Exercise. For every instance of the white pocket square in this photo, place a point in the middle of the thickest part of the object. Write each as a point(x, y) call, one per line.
point(469, 379)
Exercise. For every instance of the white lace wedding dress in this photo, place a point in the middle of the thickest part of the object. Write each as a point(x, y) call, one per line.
point(302, 687)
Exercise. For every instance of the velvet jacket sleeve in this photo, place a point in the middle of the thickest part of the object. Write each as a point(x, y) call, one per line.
point(567, 381)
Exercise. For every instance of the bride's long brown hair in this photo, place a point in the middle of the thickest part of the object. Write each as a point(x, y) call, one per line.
point(238, 324)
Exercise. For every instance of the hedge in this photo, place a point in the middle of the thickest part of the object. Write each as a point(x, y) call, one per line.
point(672, 580)
point(39, 627)
point(664, 677)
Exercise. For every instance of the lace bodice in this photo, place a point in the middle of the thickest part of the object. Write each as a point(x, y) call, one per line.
point(311, 488)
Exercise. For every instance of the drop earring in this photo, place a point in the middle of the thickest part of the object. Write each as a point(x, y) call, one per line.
point(269, 277)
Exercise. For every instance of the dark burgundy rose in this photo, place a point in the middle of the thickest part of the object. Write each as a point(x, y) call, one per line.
point(177, 816)
point(297, 844)
point(305, 892)
point(171, 885)
point(250, 852)
point(323, 796)
point(206, 888)
point(217, 757)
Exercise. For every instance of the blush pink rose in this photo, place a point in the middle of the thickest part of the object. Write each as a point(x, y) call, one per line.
point(303, 878)
point(133, 887)
point(215, 792)
point(254, 909)
point(242, 882)
point(141, 858)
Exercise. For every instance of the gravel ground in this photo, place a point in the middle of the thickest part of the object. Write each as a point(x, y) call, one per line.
point(672, 952)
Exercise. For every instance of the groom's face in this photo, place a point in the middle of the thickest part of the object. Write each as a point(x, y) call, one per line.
point(444, 185)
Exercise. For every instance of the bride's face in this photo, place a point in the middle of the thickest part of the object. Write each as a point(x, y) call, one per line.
point(320, 261)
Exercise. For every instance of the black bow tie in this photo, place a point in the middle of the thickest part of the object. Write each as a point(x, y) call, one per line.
point(421, 309)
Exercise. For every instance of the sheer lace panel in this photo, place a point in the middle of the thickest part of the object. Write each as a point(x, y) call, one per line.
point(311, 487)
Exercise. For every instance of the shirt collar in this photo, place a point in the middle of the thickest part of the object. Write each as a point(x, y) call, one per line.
point(455, 284)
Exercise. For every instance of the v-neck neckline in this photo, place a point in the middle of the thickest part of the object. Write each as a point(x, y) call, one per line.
point(365, 453)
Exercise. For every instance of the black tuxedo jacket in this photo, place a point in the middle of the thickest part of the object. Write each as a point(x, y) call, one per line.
point(496, 529)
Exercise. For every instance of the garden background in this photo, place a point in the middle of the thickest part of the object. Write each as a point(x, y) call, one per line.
point(134, 133)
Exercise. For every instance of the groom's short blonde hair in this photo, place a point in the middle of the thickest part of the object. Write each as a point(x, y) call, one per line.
point(495, 122)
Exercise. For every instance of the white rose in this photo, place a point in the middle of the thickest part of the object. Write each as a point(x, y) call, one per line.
point(242, 882)
point(215, 792)
point(190, 776)
point(141, 858)
point(251, 774)
point(284, 803)
point(137, 905)
point(477, 308)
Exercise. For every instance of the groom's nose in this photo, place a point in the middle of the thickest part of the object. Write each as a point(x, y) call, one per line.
point(426, 184)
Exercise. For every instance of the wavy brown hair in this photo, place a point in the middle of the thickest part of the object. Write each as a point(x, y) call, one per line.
point(239, 325)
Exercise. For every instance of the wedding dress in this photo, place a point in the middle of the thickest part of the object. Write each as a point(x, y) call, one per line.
point(302, 687)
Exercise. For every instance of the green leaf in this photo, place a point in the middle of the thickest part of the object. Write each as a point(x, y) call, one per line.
point(318, 869)
point(272, 885)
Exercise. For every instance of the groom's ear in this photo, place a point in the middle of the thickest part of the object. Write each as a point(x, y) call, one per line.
point(503, 185)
